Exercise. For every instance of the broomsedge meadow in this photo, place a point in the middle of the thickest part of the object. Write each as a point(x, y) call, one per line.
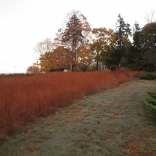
point(24, 99)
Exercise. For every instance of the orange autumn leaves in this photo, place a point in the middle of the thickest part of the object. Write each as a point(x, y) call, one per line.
point(77, 44)
point(71, 45)
point(63, 57)
point(104, 42)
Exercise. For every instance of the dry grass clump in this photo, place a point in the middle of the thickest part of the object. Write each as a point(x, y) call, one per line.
point(23, 99)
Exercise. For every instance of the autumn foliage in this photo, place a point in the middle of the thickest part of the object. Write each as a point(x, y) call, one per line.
point(23, 99)
point(71, 47)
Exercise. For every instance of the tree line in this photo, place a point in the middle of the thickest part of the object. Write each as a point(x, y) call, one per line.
point(76, 45)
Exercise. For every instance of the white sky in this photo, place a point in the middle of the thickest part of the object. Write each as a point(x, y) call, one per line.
point(24, 23)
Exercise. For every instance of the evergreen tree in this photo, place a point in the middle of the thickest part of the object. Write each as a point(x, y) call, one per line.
point(123, 31)
point(135, 60)
point(136, 35)
point(74, 36)
point(143, 51)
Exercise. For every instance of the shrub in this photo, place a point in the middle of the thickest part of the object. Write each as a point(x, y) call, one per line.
point(151, 101)
point(91, 68)
point(113, 67)
point(152, 94)
point(147, 76)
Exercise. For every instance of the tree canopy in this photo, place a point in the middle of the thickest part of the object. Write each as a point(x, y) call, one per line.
point(33, 70)
point(76, 45)
point(148, 36)
point(122, 30)
point(103, 45)
point(75, 37)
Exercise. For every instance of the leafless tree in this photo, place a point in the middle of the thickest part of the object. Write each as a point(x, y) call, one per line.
point(33, 70)
point(150, 17)
point(44, 46)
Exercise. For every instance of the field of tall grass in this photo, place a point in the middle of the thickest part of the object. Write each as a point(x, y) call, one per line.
point(23, 99)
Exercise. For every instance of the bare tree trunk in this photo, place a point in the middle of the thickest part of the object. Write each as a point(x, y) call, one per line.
point(97, 65)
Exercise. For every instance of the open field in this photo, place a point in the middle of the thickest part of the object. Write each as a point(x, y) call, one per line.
point(23, 99)
point(113, 122)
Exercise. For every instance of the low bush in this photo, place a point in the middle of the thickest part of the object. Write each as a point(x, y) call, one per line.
point(151, 101)
point(147, 76)
point(113, 67)
point(91, 68)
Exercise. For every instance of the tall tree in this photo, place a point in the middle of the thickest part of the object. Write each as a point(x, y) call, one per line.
point(148, 43)
point(61, 58)
point(45, 49)
point(104, 42)
point(150, 17)
point(136, 35)
point(84, 54)
point(143, 52)
point(46, 61)
point(44, 46)
point(74, 35)
point(148, 36)
point(135, 56)
point(33, 70)
point(122, 30)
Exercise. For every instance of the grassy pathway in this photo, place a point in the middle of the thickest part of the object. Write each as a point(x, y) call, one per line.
point(110, 123)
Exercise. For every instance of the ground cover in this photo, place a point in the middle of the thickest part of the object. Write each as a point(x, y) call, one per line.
point(112, 122)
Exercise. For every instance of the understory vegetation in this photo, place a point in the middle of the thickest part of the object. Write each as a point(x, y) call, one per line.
point(151, 100)
point(23, 99)
point(147, 76)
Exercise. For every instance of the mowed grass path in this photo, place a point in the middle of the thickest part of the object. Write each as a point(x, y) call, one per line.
point(112, 122)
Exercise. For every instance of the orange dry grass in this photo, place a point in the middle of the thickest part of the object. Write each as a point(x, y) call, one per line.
point(23, 99)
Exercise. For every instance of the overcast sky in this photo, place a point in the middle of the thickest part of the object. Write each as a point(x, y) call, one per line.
point(24, 23)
